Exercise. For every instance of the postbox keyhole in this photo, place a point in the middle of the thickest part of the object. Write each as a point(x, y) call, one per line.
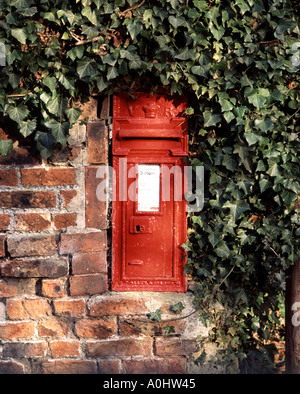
point(138, 228)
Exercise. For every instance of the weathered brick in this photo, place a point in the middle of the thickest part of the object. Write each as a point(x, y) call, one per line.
point(22, 309)
point(14, 330)
point(64, 220)
point(35, 245)
point(89, 263)
point(65, 348)
point(67, 196)
point(27, 199)
point(96, 137)
point(82, 243)
point(133, 326)
point(110, 367)
point(33, 221)
point(89, 110)
point(173, 346)
point(4, 222)
point(24, 349)
point(35, 268)
point(172, 366)
point(11, 368)
point(72, 367)
point(95, 210)
point(54, 288)
point(21, 155)
point(8, 178)
point(73, 308)
point(48, 177)
point(116, 305)
point(7, 290)
point(120, 347)
point(96, 328)
point(87, 284)
point(52, 328)
point(2, 245)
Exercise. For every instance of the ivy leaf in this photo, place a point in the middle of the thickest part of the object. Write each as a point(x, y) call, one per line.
point(155, 315)
point(90, 15)
point(27, 128)
point(112, 73)
point(73, 114)
point(18, 113)
point(134, 28)
point(20, 35)
point(243, 152)
point(222, 250)
point(236, 208)
point(211, 119)
point(46, 139)
point(185, 54)
point(5, 146)
point(59, 131)
point(168, 330)
point(214, 238)
point(179, 307)
point(86, 67)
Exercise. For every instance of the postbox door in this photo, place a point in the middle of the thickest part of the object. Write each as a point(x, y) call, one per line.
point(148, 229)
point(149, 226)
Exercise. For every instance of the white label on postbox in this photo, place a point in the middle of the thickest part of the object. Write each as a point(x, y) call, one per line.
point(148, 187)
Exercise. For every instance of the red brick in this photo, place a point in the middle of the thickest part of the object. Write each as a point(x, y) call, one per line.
point(4, 222)
point(120, 347)
point(33, 221)
point(87, 284)
point(35, 268)
point(174, 346)
point(82, 243)
point(35, 245)
point(54, 288)
point(65, 348)
point(96, 328)
point(96, 137)
point(95, 210)
point(2, 245)
point(172, 366)
point(48, 177)
point(8, 178)
point(52, 328)
point(24, 349)
point(72, 367)
point(22, 309)
point(89, 263)
point(14, 330)
point(65, 220)
point(73, 308)
point(11, 368)
point(116, 305)
point(110, 367)
point(27, 199)
point(68, 195)
point(7, 290)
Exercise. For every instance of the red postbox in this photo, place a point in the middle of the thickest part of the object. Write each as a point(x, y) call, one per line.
point(148, 210)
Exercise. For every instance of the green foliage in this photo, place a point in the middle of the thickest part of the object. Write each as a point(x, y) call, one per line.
point(237, 63)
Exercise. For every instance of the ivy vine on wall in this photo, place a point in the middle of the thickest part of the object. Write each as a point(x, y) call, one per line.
point(238, 62)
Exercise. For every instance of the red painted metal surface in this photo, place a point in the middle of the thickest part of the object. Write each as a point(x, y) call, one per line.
point(149, 211)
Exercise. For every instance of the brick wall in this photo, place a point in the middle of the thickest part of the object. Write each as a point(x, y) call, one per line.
point(57, 313)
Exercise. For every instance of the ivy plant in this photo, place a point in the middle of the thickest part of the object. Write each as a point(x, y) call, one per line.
point(238, 64)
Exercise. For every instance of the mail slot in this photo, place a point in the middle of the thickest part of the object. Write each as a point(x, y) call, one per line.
point(149, 143)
